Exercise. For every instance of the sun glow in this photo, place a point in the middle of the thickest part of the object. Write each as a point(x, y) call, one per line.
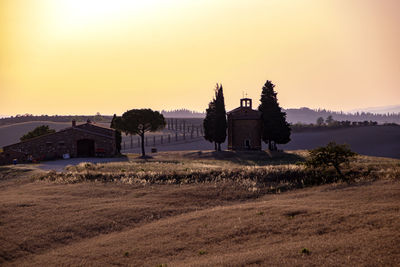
point(84, 56)
point(75, 17)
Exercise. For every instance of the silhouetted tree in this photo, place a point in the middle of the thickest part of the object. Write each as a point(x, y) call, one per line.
point(118, 137)
point(320, 121)
point(275, 128)
point(215, 124)
point(140, 121)
point(38, 131)
point(209, 122)
point(331, 155)
point(329, 120)
point(220, 117)
point(98, 117)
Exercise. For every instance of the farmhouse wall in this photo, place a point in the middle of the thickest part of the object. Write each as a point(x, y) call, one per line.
point(55, 145)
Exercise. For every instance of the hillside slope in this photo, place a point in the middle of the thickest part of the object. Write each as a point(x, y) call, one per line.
point(382, 141)
point(337, 224)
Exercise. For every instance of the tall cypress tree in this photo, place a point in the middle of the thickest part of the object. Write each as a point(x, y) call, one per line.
point(215, 124)
point(220, 113)
point(209, 122)
point(275, 130)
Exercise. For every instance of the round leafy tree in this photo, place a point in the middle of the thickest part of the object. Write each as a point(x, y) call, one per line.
point(140, 121)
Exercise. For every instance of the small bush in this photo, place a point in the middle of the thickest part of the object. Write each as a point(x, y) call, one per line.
point(305, 251)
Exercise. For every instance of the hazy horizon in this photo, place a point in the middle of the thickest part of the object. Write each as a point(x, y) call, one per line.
point(373, 110)
point(87, 56)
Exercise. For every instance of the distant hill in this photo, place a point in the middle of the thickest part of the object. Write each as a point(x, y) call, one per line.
point(306, 115)
point(55, 118)
point(379, 110)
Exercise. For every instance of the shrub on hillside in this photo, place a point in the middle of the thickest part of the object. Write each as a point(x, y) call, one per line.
point(330, 156)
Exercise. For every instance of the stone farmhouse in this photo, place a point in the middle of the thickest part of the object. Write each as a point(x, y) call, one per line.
point(84, 140)
point(244, 127)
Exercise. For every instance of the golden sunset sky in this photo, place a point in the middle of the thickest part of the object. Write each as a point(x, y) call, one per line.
point(108, 56)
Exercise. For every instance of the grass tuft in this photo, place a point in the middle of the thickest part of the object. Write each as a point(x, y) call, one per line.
point(305, 251)
point(202, 252)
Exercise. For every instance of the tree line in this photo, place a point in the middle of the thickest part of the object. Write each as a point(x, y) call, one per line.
point(330, 123)
point(306, 115)
point(182, 113)
point(302, 115)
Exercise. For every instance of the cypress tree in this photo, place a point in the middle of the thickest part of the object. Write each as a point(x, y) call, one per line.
point(275, 130)
point(220, 117)
point(209, 122)
point(215, 124)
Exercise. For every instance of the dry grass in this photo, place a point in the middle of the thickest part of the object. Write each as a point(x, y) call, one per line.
point(211, 222)
point(260, 172)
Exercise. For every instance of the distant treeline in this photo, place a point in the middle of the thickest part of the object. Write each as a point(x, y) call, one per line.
point(306, 115)
point(55, 118)
point(302, 127)
point(182, 113)
point(301, 115)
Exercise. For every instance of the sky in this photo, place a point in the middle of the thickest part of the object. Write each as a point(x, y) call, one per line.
point(109, 56)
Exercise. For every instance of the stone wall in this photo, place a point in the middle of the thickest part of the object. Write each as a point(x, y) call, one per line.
point(241, 130)
point(55, 145)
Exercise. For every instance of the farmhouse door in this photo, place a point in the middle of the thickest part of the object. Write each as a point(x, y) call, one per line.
point(85, 148)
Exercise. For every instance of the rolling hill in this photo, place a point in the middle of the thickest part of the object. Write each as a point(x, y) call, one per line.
point(216, 223)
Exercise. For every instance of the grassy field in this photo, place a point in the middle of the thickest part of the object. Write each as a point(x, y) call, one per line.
point(199, 209)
